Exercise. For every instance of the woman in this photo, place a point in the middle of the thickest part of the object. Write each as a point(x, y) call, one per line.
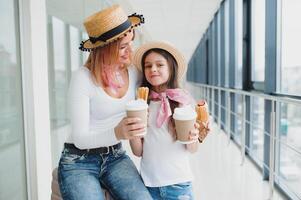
point(93, 154)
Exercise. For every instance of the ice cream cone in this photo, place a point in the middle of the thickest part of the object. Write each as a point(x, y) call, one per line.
point(142, 93)
point(202, 118)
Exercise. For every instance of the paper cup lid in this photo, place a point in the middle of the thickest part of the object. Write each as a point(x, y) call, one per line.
point(134, 105)
point(184, 113)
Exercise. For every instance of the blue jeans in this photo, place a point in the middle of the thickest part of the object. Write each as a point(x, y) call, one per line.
point(181, 191)
point(82, 176)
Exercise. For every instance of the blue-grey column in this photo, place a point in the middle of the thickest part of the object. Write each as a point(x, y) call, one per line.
point(270, 73)
point(232, 59)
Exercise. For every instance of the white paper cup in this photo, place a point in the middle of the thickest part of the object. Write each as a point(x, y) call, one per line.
point(185, 118)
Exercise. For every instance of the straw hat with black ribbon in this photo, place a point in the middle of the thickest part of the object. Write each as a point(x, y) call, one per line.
point(178, 56)
point(107, 26)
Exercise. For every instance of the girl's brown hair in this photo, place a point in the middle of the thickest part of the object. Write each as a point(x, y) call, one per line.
point(171, 83)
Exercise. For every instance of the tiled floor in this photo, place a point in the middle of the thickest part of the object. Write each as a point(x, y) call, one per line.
point(219, 174)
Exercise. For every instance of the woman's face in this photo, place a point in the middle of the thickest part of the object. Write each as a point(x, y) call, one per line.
point(156, 69)
point(125, 49)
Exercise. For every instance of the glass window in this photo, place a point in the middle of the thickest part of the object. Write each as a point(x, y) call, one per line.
point(211, 103)
point(207, 60)
point(219, 48)
point(289, 171)
point(12, 170)
point(257, 129)
point(58, 75)
point(216, 105)
point(238, 42)
point(258, 40)
point(238, 118)
point(74, 50)
point(223, 110)
point(85, 54)
point(227, 38)
point(289, 165)
point(290, 53)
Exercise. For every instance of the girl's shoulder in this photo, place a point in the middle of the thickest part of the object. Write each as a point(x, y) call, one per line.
point(189, 100)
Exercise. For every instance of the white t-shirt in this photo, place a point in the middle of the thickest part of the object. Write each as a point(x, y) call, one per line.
point(164, 161)
point(93, 113)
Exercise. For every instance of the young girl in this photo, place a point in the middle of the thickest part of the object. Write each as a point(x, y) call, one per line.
point(165, 162)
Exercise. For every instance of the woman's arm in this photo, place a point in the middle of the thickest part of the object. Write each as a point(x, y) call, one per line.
point(193, 147)
point(80, 92)
point(137, 146)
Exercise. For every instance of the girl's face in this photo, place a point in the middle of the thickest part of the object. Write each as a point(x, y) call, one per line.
point(156, 69)
point(125, 49)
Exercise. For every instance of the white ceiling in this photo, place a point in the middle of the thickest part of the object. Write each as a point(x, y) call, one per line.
point(179, 22)
point(73, 11)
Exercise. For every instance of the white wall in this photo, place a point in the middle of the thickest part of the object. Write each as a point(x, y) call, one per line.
point(35, 97)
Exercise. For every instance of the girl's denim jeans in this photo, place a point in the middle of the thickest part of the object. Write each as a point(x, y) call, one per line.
point(181, 191)
point(82, 176)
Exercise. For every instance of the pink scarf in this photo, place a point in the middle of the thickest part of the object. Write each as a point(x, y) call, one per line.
point(178, 95)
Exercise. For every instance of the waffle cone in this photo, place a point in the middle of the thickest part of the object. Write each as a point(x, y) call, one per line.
point(202, 111)
point(142, 93)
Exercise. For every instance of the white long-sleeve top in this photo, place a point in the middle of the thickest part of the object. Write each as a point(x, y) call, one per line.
point(93, 113)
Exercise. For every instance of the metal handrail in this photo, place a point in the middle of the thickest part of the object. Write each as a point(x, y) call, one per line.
point(227, 109)
point(253, 93)
point(238, 115)
point(249, 122)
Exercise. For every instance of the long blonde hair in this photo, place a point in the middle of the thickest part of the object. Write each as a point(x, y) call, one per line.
point(101, 58)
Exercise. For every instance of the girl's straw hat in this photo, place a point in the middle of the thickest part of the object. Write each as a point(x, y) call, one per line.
point(178, 56)
point(107, 26)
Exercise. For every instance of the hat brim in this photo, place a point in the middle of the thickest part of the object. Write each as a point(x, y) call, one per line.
point(136, 20)
point(178, 56)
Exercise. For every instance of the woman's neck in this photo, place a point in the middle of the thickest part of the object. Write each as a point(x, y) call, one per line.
point(119, 68)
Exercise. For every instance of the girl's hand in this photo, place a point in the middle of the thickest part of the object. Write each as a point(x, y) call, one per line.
point(203, 130)
point(129, 127)
point(194, 134)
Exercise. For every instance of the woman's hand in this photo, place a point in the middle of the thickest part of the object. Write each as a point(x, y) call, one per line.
point(129, 127)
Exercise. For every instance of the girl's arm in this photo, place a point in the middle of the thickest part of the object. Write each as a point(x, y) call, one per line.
point(137, 146)
point(193, 147)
